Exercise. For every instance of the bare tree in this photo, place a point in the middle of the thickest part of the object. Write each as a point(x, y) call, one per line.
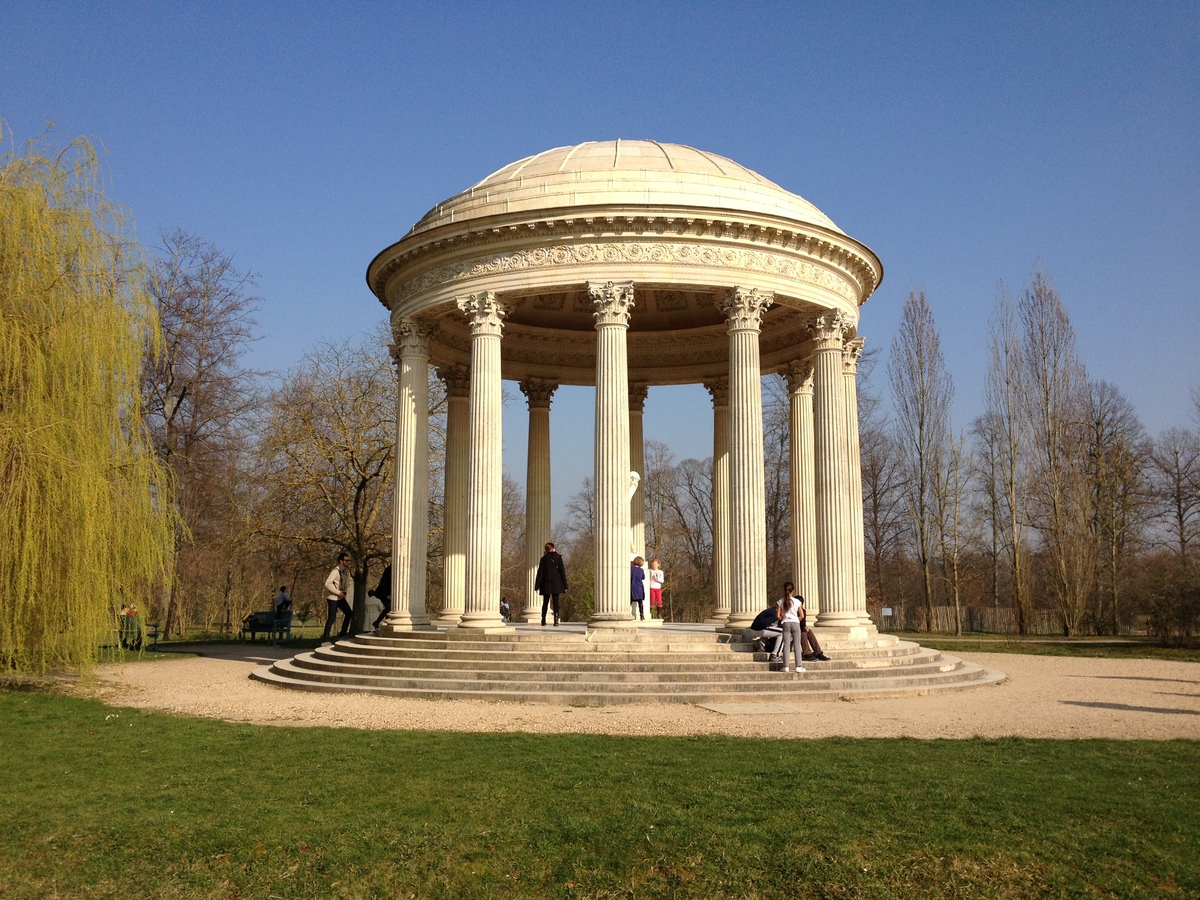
point(921, 393)
point(1118, 458)
point(1175, 460)
point(1055, 398)
point(1006, 434)
point(954, 526)
point(326, 455)
point(196, 394)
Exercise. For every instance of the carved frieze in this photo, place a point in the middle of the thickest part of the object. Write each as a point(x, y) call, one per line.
point(677, 254)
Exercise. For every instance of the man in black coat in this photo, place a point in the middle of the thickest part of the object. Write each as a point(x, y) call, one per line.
point(551, 580)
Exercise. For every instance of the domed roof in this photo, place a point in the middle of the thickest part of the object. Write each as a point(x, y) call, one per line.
point(623, 174)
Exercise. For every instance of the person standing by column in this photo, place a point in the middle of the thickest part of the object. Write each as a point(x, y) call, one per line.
point(637, 589)
point(657, 578)
point(789, 620)
point(383, 593)
point(335, 597)
point(551, 580)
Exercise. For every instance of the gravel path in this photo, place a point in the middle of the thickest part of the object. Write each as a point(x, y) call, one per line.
point(1044, 697)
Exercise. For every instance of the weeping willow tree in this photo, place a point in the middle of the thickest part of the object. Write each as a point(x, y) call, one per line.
point(85, 522)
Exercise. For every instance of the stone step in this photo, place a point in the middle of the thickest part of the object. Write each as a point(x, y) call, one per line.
point(569, 650)
point(349, 668)
point(674, 663)
point(783, 688)
point(651, 662)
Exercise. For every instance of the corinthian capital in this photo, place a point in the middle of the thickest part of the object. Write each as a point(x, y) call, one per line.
point(410, 337)
point(744, 308)
point(637, 396)
point(457, 380)
point(799, 375)
point(827, 330)
point(851, 353)
point(538, 392)
point(611, 301)
point(485, 312)
point(718, 389)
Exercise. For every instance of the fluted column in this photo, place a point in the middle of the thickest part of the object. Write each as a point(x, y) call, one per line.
point(410, 525)
point(637, 463)
point(611, 302)
point(858, 571)
point(537, 490)
point(485, 314)
point(747, 524)
point(457, 380)
point(719, 390)
point(830, 448)
point(803, 499)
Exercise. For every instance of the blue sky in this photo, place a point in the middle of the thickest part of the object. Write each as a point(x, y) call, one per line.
point(964, 143)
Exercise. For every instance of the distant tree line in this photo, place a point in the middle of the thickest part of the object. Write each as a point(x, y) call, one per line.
point(146, 462)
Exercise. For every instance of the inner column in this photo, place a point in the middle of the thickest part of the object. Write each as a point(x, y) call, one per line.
point(719, 391)
point(851, 354)
point(537, 491)
point(611, 302)
point(747, 533)
point(485, 313)
point(804, 513)
point(834, 560)
point(457, 380)
point(411, 506)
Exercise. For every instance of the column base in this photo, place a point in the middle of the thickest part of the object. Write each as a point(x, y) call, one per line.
point(612, 621)
point(611, 632)
point(482, 622)
point(845, 631)
point(406, 623)
point(448, 618)
point(387, 628)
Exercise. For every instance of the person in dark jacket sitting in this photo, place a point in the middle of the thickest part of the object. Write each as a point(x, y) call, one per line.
point(551, 580)
point(766, 631)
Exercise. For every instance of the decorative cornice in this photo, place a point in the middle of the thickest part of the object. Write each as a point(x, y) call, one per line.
point(457, 380)
point(485, 313)
point(799, 375)
point(538, 391)
point(611, 302)
point(744, 308)
point(772, 261)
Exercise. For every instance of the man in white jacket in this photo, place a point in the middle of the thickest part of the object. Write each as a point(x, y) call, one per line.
point(335, 597)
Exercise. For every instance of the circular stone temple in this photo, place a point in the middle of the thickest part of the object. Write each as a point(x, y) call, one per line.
point(624, 265)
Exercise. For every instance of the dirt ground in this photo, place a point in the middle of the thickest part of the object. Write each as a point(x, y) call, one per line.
point(1043, 697)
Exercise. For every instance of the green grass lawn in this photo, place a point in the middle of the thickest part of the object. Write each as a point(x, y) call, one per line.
point(1044, 645)
point(110, 802)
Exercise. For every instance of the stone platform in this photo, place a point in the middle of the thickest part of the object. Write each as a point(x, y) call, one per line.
point(668, 663)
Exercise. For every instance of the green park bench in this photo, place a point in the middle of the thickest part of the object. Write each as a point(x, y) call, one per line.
point(277, 627)
point(131, 633)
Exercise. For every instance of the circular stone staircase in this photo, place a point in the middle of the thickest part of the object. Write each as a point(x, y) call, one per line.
point(671, 663)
